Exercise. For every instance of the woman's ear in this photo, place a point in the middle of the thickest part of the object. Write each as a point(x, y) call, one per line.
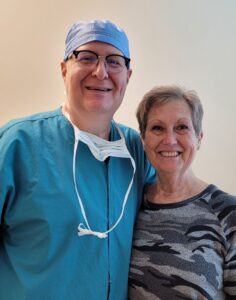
point(200, 136)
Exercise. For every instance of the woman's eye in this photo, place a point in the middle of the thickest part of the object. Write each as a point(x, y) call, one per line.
point(157, 128)
point(182, 127)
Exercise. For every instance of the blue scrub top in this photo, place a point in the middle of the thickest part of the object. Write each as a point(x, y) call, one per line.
point(41, 255)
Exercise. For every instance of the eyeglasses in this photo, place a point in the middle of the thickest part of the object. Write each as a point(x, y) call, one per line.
point(114, 63)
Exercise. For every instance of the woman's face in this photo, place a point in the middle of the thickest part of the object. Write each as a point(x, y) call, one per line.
point(170, 140)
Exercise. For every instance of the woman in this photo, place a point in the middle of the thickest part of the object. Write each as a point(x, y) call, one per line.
point(184, 244)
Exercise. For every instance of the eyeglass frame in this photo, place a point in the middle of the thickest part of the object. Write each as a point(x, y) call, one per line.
point(76, 53)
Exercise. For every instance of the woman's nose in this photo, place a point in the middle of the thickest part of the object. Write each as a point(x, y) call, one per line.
point(170, 138)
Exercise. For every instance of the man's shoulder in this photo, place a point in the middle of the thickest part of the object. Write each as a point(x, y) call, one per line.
point(27, 122)
point(129, 132)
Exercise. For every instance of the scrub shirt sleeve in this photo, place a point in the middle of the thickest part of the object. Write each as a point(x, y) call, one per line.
point(136, 149)
point(6, 173)
point(150, 172)
point(150, 175)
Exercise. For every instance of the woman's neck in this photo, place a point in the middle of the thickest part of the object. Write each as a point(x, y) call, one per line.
point(171, 189)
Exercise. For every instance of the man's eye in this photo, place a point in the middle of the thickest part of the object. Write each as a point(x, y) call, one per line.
point(114, 61)
point(87, 59)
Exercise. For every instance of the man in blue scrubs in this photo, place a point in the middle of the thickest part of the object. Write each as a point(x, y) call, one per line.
point(71, 180)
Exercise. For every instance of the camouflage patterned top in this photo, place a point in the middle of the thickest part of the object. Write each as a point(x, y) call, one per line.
point(185, 250)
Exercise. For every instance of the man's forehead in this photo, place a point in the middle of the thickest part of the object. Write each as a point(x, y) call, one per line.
point(100, 46)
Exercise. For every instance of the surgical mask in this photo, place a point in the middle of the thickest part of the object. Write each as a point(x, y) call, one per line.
point(101, 149)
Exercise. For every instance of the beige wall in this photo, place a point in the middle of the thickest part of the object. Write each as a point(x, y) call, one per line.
point(188, 42)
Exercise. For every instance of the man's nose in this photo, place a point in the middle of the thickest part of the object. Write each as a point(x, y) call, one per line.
point(100, 69)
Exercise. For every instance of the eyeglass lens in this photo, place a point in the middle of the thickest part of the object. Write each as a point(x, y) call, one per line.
point(114, 63)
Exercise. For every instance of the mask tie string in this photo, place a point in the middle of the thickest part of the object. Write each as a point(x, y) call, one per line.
point(86, 230)
point(75, 185)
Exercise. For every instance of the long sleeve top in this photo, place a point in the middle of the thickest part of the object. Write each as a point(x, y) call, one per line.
point(185, 250)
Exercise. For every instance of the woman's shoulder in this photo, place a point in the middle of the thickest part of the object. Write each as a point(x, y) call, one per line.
point(223, 205)
point(220, 197)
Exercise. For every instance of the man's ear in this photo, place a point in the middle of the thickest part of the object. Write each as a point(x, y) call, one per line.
point(63, 70)
point(129, 73)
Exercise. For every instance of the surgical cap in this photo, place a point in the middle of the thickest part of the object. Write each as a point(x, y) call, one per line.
point(82, 33)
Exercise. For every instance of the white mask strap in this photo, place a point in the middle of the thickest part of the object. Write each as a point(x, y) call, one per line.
point(82, 230)
point(75, 185)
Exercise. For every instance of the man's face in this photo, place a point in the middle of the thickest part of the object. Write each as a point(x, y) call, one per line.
point(93, 91)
